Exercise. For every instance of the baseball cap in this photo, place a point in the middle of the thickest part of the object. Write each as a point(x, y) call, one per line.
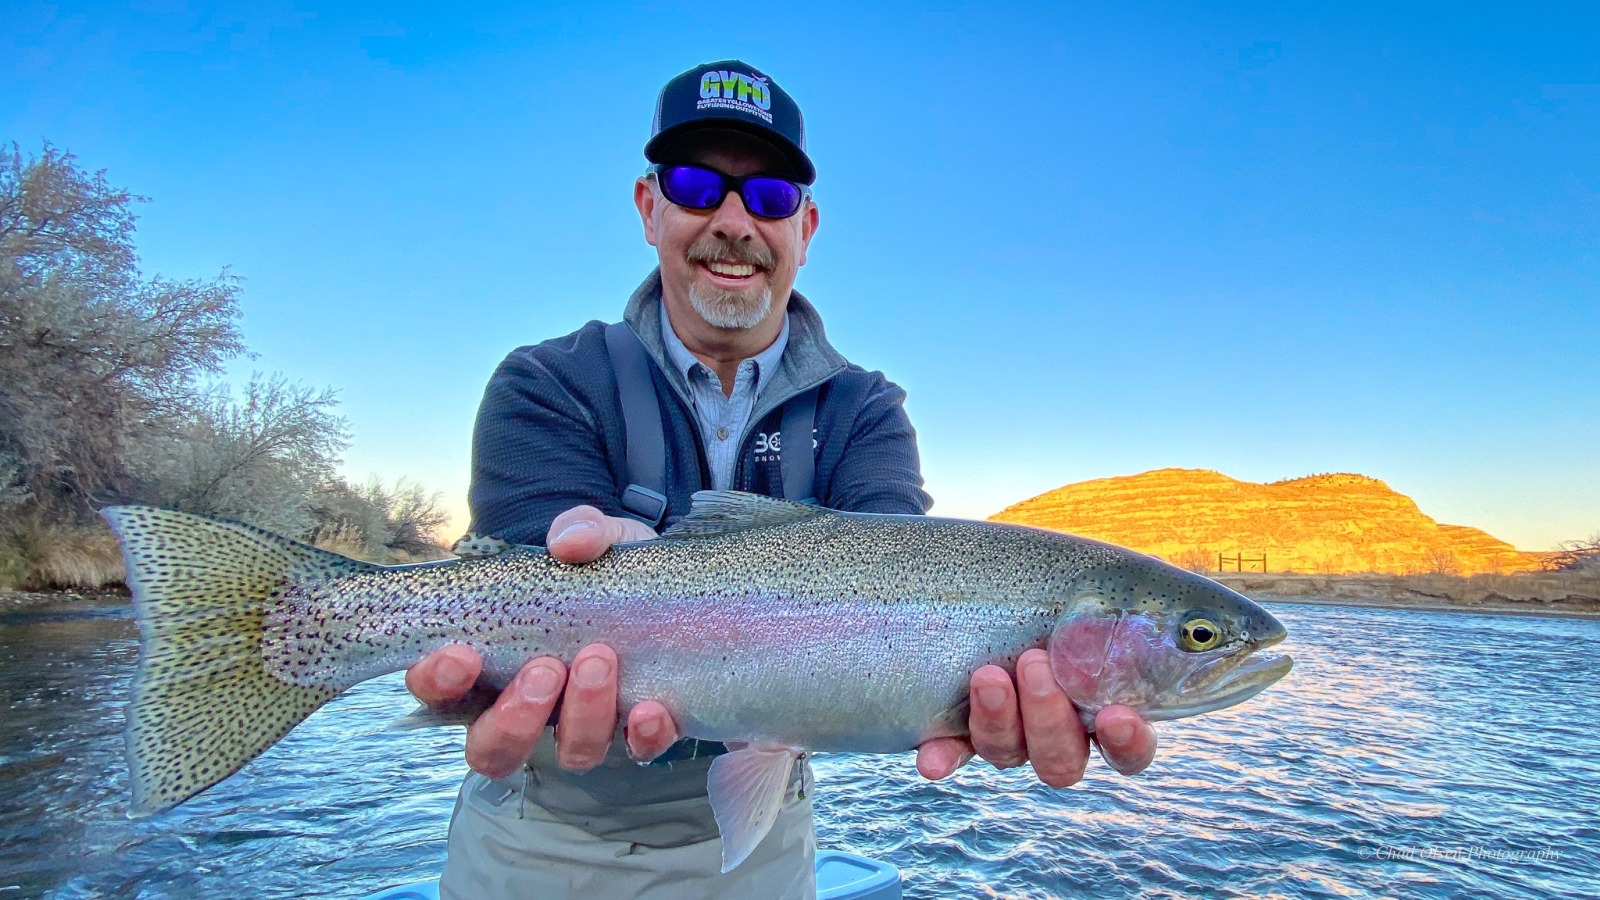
point(735, 95)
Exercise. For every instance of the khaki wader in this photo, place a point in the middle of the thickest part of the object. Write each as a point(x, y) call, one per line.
point(618, 832)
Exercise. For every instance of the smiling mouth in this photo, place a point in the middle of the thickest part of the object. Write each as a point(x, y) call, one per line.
point(737, 271)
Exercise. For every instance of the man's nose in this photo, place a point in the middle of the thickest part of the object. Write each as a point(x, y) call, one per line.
point(731, 221)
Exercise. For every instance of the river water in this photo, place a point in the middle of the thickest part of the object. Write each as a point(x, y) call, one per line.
point(1409, 754)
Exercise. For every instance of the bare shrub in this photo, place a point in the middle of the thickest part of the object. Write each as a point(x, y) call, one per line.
point(259, 459)
point(1577, 556)
point(94, 357)
point(379, 523)
point(1195, 559)
point(102, 399)
point(1441, 562)
point(346, 538)
point(12, 490)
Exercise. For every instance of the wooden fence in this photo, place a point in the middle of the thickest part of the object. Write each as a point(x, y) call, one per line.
point(1240, 561)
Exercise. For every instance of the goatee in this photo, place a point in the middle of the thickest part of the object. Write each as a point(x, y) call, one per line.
point(730, 309)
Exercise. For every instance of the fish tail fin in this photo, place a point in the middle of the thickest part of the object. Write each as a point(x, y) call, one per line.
point(203, 701)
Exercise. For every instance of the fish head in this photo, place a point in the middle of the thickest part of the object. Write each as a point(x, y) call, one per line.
point(1167, 642)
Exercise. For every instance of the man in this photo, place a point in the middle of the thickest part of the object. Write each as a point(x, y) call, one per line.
point(726, 203)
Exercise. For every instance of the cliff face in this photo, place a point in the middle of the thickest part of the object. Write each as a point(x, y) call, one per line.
point(1322, 524)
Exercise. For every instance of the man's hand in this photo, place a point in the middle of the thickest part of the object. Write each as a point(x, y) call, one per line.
point(501, 739)
point(1043, 728)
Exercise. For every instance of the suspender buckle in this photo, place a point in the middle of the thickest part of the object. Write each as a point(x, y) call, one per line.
point(644, 504)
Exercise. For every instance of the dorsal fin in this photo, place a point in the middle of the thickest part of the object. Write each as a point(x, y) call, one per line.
point(714, 513)
point(473, 545)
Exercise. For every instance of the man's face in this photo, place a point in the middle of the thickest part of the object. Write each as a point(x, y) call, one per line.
point(732, 268)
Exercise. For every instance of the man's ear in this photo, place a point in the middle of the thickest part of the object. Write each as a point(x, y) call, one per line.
point(644, 197)
point(808, 227)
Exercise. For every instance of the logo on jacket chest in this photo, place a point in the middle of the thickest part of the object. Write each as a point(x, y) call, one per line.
point(769, 447)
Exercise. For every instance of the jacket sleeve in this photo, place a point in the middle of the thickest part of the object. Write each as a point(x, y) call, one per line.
point(880, 471)
point(536, 452)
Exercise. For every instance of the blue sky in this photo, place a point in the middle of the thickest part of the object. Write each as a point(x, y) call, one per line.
point(1269, 239)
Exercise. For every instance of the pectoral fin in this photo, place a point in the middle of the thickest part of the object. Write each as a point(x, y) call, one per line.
point(747, 788)
point(463, 712)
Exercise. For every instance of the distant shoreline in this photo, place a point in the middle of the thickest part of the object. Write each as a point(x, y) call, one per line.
point(1566, 594)
point(1434, 607)
point(32, 601)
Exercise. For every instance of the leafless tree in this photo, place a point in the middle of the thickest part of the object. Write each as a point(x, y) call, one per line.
point(102, 397)
point(1578, 556)
point(94, 357)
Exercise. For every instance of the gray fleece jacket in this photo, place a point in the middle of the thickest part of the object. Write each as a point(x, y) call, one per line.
point(550, 436)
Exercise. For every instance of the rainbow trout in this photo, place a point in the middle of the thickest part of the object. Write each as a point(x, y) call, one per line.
point(774, 625)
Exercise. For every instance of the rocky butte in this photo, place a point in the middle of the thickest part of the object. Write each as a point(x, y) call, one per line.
point(1322, 524)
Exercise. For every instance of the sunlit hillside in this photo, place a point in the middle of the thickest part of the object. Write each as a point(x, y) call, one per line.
point(1325, 524)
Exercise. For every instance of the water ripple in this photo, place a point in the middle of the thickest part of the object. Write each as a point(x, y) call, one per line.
point(1409, 754)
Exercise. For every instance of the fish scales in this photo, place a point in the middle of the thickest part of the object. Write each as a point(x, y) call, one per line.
point(754, 621)
point(703, 626)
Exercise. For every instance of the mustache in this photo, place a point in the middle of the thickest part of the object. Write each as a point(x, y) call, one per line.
point(711, 248)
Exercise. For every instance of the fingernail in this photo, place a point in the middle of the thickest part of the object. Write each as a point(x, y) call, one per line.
point(539, 685)
point(577, 527)
point(592, 672)
point(648, 727)
point(1118, 732)
point(992, 696)
point(452, 675)
point(1038, 679)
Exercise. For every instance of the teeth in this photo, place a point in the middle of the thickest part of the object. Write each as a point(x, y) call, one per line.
point(737, 270)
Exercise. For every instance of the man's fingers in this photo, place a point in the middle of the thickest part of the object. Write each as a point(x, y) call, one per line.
point(500, 740)
point(1126, 742)
point(1057, 745)
point(445, 675)
point(941, 757)
point(650, 731)
point(588, 710)
point(583, 534)
point(994, 721)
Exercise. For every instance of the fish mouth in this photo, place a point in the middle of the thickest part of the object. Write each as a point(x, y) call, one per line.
point(1232, 679)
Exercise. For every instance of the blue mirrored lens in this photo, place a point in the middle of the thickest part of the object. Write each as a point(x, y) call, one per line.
point(693, 187)
point(698, 188)
point(772, 198)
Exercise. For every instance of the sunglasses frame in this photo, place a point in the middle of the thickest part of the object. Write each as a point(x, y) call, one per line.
point(730, 184)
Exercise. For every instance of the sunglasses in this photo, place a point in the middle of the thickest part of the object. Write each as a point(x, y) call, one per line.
point(697, 187)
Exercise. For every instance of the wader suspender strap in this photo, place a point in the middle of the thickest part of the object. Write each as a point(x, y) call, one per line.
point(644, 498)
point(800, 463)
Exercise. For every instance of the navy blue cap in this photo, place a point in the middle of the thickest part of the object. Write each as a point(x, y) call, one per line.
point(735, 95)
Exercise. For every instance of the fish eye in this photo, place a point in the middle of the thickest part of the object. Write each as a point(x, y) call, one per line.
point(1199, 633)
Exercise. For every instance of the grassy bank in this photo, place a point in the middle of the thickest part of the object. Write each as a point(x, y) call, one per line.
point(1573, 593)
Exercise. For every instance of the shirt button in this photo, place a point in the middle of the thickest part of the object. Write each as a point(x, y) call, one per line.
point(722, 434)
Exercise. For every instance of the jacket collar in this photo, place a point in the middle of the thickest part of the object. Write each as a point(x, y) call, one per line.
point(807, 361)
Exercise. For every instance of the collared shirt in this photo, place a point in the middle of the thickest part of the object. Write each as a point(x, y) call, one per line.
point(723, 418)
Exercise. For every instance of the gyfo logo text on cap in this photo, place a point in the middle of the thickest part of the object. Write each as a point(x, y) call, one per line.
point(735, 90)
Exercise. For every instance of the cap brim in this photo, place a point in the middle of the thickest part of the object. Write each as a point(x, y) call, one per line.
point(672, 141)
